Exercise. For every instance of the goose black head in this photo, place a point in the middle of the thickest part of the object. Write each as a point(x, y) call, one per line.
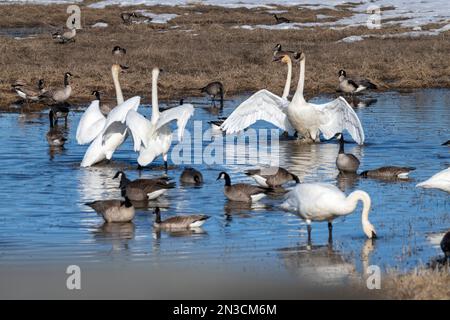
point(119, 50)
point(277, 47)
point(342, 73)
point(298, 56)
point(123, 67)
point(67, 75)
point(41, 84)
point(295, 178)
point(118, 174)
point(96, 94)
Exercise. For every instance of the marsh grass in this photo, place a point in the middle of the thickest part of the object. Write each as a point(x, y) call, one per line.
point(198, 48)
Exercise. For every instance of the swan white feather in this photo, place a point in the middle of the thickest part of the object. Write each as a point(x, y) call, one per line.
point(440, 180)
point(91, 123)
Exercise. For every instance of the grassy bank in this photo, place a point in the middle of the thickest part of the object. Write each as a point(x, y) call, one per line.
point(202, 44)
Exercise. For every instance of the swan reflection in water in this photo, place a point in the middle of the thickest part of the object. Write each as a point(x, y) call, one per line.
point(118, 234)
point(322, 265)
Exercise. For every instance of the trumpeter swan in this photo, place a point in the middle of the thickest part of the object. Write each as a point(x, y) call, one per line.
point(440, 180)
point(325, 202)
point(154, 138)
point(306, 118)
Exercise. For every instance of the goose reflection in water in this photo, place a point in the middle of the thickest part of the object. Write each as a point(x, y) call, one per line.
point(118, 234)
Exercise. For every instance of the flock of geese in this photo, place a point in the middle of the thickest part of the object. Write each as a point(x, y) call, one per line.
point(106, 127)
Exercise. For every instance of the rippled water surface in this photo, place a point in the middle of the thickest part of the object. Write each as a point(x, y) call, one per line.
point(43, 217)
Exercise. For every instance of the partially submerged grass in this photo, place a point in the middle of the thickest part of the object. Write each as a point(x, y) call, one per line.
point(198, 48)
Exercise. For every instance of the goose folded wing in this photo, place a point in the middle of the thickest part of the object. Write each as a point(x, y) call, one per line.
point(91, 123)
point(263, 105)
point(139, 127)
point(337, 116)
point(181, 114)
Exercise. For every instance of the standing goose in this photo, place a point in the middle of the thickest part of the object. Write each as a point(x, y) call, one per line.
point(353, 86)
point(59, 94)
point(447, 143)
point(388, 172)
point(143, 189)
point(104, 107)
point(346, 162)
point(191, 176)
point(214, 89)
point(114, 210)
point(154, 137)
point(281, 19)
point(179, 222)
point(55, 137)
point(29, 93)
point(127, 17)
point(306, 118)
point(242, 192)
point(272, 177)
point(325, 202)
point(68, 36)
point(119, 51)
point(440, 180)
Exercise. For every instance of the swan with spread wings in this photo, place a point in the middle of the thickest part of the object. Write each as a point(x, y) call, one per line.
point(307, 119)
point(154, 137)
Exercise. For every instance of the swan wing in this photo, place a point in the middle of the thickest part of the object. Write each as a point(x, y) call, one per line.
point(181, 114)
point(91, 123)
point(440, 180)
point(263, 105)
point(139, 127)
point(338, 115)
point(119, 113)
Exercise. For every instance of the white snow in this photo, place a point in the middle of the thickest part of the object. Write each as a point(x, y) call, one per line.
point(352, 39)
point(158, 17)
point(100, 25)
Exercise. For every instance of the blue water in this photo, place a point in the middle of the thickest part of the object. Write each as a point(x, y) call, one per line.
point(43, 218)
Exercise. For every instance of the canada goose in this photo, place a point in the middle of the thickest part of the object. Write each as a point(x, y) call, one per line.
point(29, 93)
point(216, 124)
point(272, 177)
point(104, 108)
point(241, 191)
point(307, 119)
point(66, 37)
point(440, 180)
point(447, 143)
point(191, 176)
point(58, 112)
point(154, 137)
point(353, 86)
point(119, 51)
point(54, 136)
point(179, 222)
point(143, 189)
point(127, 17)
point(325, 202)
point(214, 89)
point(59, 94)
point(114, 210)
point(445, 245)
point(388, 172)
point(346, 162)
point(281, 19)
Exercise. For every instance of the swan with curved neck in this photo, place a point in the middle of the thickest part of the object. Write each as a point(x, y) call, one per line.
point(325, 202)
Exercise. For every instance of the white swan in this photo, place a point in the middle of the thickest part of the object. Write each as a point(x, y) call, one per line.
point(112, 135)
point(93, 120)
point(154, 138)
point(306, 118)
point(325, 202)
point(440, 180)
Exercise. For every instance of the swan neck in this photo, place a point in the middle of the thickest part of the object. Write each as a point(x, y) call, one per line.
point(287, 86)
point(298, 97)
point(362, 196)
point(119, 95)
point(155, 107)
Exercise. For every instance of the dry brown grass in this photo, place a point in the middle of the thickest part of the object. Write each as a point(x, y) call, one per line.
point(213, 50)
point(419, 284)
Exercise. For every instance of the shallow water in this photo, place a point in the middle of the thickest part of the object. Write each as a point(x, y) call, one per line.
point(43, 218)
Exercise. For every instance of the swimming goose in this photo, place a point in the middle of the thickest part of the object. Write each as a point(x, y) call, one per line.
point(353, 86)
point(346, 162)
point(154, 137)
point(29, 93)
point(388, 172)
point(447, 143)
point(307, 119)
point(59, 94)
point(272, 176)
point(242, 192)
point(281, 19)
point(214, 89)
point(191, 176)
point(55, 137)
point(143, 189)
point(325, 202)
point(445, 245)
point(440, 180)
point(114, 210)
point(179, 222)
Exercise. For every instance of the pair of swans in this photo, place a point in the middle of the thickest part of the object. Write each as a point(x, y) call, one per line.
point(106, 134)
point(307, 119)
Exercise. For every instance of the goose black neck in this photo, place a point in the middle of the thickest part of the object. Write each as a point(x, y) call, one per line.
point(295, 178)
point(66, 80)
point(227, 179)
point(128, 203)
point(341, 144)
point(50, 117)
point(158, 215)
point(97, 95)
point(124, 181)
